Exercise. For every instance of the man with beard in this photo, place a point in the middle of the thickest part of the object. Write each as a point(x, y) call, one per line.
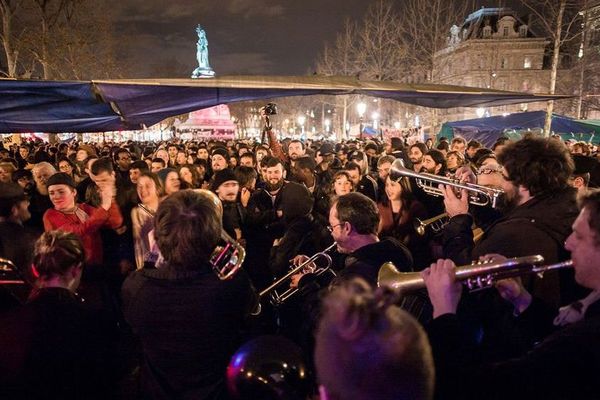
point(434, 162)
point(226, 186)
point(539, 206)
point(264, 222)
point(558, 365)
point(219, 159)
point(538, 210)
point(295, 151)
point(416, 153)
point(39, 199)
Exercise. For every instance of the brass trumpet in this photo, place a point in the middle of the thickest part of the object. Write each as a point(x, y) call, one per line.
point(436, 224)
point(477, 276)
point(277, 298)
point(478, 195)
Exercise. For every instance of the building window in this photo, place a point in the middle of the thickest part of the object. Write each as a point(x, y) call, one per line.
point(523, 30)
point(527, 63)
point(505, 31)
point(504, 63)
point(487, 31)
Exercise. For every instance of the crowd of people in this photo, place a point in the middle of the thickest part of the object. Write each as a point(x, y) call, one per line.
point(116, 241)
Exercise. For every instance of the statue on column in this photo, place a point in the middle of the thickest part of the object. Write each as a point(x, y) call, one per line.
point(204, 70)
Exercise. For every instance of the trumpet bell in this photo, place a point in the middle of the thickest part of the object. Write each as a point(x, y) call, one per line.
point(389, 276)
point(227, 258)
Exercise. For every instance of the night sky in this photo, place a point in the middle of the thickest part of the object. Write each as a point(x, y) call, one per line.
point(157, 38)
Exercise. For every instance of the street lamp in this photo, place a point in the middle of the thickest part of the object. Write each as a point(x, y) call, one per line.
point(301, 121)
point(361, 108)
point(375, 117)
point(327, 123)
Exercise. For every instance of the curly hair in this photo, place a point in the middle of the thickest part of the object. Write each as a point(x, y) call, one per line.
point(540, 165)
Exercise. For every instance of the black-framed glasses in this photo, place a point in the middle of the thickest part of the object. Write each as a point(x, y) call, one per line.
point(330, 228)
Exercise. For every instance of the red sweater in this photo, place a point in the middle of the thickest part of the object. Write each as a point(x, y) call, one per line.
point(88, 231)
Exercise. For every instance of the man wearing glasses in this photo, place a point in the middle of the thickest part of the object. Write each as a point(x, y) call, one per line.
point(537, 212)
point(353, 222)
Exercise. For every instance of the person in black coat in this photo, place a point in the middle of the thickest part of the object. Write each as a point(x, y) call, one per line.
point(188, 320)
point(53, 347)
point(264, 223)
point(539, 207)
point(562, 365)
point(303, 235)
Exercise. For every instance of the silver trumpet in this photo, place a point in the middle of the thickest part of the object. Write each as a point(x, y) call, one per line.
point(276, 298)
point(477, 276)
point(436, 224)
point(478, 195)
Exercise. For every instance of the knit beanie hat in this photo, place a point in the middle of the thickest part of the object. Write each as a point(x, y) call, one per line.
point(60, 178)
point(296, 201)
point(225, 175)
point(221, 151)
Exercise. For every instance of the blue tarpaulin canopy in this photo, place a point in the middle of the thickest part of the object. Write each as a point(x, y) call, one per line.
point(95, 106)
point(488, 130)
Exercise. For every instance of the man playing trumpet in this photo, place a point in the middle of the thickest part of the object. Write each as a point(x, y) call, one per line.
point(539, 208)
point(564, 365)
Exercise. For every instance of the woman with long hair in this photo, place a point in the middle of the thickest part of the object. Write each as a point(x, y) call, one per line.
point(150, 191)
point(398, 210)
point(190, 177)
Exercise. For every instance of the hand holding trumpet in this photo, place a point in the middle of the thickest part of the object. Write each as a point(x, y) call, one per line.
point(307, 269)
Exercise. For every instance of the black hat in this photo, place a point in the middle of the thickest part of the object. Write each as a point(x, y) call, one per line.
point(356, 155)
point(583, 164)
point(225, 175)
point(326, 148)
point(371, 146)
point(60, 178)
point(221, 151)
point(296, 201)
point(11, 191)
point(21, 173)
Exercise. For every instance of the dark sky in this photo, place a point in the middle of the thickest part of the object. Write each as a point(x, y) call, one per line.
point(285, 37)
point(244, 36)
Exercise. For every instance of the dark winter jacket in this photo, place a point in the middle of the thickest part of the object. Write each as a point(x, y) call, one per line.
point(189, 323)
point(540, 226)
point(565, 365)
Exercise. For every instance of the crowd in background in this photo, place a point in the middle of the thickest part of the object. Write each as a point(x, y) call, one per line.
point(279, 200)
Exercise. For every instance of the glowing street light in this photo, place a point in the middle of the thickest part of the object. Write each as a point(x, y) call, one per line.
point(397, 125)
point(361, 108)
point(327, 123)
point(480, 111)
point(301, 121)
point(375, 118)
